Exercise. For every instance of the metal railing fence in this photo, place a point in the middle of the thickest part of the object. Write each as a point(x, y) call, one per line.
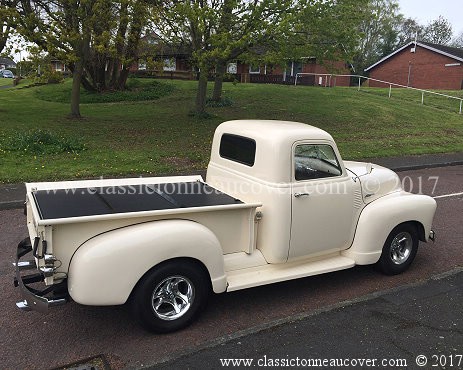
point(328, 79)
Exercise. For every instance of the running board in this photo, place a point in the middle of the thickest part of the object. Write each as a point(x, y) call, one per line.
point(273, 273)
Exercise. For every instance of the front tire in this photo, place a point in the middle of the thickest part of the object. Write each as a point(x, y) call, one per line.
point(399, 250)
point(171, 296)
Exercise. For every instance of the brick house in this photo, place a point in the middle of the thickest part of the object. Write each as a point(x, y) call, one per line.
point(176, 64)
point(421, 65)
point(287, 74)
point(7, 63)
point(58, 66)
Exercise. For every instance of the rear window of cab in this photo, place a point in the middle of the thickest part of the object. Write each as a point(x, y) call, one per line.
point(238, 149)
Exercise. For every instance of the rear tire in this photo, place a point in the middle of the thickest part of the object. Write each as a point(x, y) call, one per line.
point(399, 250)
point(171, 296)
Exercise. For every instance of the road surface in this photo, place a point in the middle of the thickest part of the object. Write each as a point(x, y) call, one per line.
point(72, 332)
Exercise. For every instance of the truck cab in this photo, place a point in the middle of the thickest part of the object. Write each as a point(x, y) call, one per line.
point(296, 172)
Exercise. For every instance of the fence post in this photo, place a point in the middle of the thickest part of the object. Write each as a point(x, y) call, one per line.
point(390, 90)
point(422, 97)
point(359, 84)
point(295, 81)
point(461, 101)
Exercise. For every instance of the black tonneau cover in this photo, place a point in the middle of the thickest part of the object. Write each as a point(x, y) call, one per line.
point(65, 203)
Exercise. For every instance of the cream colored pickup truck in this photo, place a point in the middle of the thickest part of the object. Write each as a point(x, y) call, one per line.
point(278, 203)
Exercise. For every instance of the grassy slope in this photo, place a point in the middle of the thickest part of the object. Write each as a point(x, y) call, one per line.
point(157, 137)
point(6, 82)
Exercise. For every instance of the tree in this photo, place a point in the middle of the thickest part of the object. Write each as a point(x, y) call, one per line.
point(221, 31)
point(217, 31)
point(95, 38)
point(408, 29)
point(327, 30)
point(115, 44)
point(63, 29)
point(7, 23)
point(397, 33)
point(376, 30)
point(439, 31)
point(457, 42)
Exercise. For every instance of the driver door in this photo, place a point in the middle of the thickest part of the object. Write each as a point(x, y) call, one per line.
point(326, 202)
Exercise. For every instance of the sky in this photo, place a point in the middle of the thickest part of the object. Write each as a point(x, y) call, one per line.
point(425, 11)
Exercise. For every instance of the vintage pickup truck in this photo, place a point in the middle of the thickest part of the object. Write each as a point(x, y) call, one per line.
point(278, 203)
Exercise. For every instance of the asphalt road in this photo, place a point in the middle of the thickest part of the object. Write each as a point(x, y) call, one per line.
point(398, 329)
point(73, 332)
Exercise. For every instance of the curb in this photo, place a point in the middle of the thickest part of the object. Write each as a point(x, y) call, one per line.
point(14, 204)
point(423, 166)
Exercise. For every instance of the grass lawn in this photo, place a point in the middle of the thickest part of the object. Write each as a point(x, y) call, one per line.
point(9, 82)
point(415, 96)
point(6, 82)
point(157, 136)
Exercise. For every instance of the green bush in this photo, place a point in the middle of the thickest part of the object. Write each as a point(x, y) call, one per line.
point(49, 76)
point(41, 142)
point(54, 77)
point(224, 102)
point(136, 91)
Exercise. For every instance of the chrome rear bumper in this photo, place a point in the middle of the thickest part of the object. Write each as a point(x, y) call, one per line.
point(35, 299)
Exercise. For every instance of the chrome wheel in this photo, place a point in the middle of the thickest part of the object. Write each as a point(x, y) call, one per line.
point(401, 247)
point(172, 297)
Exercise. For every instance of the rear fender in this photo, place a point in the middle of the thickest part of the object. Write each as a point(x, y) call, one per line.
point(379, 218)
point(105, 269)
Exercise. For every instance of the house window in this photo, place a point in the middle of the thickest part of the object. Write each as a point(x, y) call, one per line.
point(254, 69)
point(142, 65)
point(169, 64)
point(58, 67)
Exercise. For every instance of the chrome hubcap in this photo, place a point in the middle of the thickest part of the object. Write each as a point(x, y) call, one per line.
point(172, 297)
point(401, 248)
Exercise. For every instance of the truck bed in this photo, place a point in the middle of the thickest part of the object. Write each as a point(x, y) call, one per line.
point(92, 201)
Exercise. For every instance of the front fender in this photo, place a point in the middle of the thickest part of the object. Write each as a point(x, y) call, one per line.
point(379, 218)
point(105, 269)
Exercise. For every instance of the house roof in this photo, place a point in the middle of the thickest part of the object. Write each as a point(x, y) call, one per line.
point(454, 53)
point(7, 62)
point(153, 44)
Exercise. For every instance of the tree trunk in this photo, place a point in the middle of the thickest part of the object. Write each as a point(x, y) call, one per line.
point(218, 82)
point(86, 84)
point(75, 93)
point(120, 43)
point(221, 65)
point(115, 72)
point(122, 81)
point(202, 91)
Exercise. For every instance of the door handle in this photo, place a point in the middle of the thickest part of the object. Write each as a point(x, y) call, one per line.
point(299, 195)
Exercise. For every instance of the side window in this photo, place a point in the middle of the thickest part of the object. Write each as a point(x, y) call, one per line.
point(238, 149)
point(315, 162)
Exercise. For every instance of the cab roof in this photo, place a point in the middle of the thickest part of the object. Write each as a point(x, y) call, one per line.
point(273, 130)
